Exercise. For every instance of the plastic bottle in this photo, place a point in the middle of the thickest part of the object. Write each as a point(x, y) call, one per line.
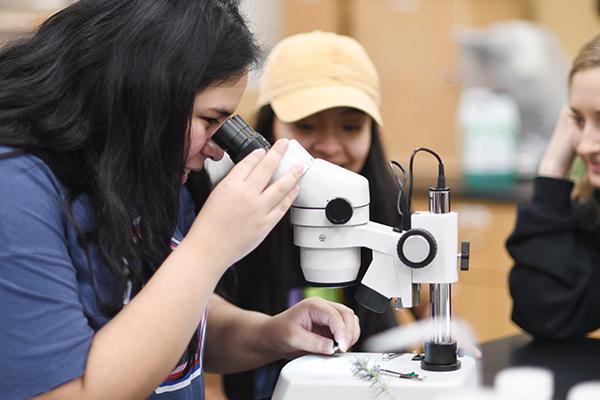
point(585, 391)
point(488, 125)
point(525, 383)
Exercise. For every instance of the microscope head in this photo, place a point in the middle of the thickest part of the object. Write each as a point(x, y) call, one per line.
point(331, 202)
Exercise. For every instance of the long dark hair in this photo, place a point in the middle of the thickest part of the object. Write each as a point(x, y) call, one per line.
point(103, 92)
point(270, 260)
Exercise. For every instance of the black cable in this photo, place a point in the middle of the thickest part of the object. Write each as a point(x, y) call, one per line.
point(441, 178)
point(401, 211)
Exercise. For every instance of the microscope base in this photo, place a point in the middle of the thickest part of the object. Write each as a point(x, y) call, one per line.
point(321, 377)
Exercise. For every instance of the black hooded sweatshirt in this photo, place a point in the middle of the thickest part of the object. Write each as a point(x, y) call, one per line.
point(555, 281)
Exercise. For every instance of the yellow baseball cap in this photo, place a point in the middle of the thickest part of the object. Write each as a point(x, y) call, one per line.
point(311, 72)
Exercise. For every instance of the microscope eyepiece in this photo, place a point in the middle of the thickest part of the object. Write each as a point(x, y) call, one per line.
point(238, 139)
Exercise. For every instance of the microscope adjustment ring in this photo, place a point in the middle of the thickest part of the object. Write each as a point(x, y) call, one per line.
point(420, 235)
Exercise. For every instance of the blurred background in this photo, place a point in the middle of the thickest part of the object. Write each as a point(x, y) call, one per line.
point(479, 81)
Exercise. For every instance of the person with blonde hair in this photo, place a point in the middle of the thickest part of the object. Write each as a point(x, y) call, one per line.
point(323, 90)
point(555, 282)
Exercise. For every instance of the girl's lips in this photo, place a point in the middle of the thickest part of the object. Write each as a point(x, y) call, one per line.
point(186, 171)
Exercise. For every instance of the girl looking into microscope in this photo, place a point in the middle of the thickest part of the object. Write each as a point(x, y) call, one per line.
point(323, 90)
point(106, 274)
point(556, 242)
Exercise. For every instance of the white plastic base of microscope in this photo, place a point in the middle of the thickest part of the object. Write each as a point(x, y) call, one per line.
point(321, 377)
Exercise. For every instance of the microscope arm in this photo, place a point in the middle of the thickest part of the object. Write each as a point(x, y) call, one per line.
point(425, 254)
point(385, 278)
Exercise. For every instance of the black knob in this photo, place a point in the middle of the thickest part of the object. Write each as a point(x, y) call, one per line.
point(416, 248)
point(338, 211)
point(465, 253)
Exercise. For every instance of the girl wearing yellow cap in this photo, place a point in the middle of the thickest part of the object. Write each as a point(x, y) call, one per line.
point(321, 89)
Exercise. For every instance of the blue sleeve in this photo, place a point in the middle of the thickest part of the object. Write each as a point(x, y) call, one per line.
point(44, 334)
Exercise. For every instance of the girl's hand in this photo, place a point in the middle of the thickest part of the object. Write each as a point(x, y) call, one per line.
point(243, 208)
point(311, 326)
point(559, 155)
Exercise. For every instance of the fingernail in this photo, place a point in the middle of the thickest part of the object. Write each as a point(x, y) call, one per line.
point(342, 345)
point(282, 142)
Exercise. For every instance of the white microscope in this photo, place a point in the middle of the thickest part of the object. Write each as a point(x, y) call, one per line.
point(331, 223)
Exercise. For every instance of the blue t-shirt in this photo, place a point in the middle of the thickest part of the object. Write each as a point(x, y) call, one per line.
point(48, 310)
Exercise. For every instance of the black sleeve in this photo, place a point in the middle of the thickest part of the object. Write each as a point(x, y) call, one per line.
point(228, 286)
point(372, 323)
point(555, 284)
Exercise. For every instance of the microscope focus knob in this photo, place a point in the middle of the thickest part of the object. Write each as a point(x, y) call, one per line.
point(416, 248)
point(338, 211)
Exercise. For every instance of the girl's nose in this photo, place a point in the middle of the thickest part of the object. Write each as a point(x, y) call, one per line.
point(328, 143)
point(212, 151)
point(590, 140)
